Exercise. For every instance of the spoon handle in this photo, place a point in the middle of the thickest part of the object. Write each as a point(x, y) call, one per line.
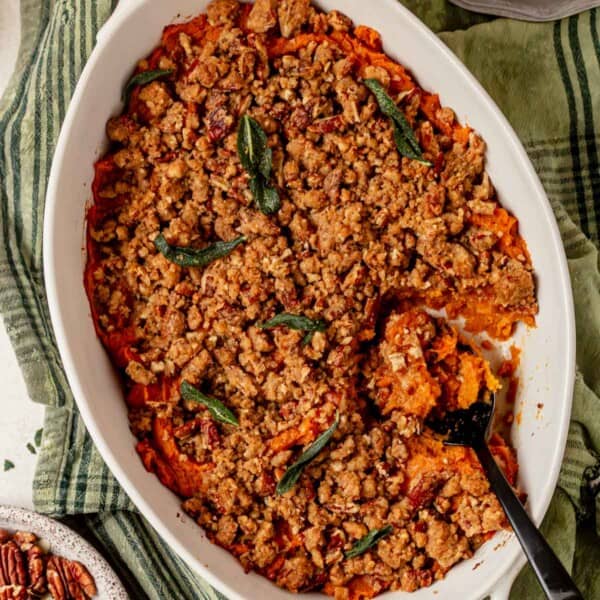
point(553, 577)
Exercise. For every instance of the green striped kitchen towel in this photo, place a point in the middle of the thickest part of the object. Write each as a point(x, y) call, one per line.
point(546, 79)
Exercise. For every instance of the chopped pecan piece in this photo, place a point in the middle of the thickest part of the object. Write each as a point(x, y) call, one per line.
point(328, 124)
point(262, 16)
point(221, 12)
point(210, 433)
point(292, 15)
point(218, 124)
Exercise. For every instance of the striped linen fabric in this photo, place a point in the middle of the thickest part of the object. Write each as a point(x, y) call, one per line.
point(546, 79)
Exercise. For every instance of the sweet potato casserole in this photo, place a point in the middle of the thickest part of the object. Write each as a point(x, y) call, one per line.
point(279, 204)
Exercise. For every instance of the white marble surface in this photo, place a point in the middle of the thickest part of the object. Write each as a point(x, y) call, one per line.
point(20, 418)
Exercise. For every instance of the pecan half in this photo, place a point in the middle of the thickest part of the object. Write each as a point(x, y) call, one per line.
point(56, 585)
point(83, 578)
point(13, 567)
point(73, 587)
point(36, 570)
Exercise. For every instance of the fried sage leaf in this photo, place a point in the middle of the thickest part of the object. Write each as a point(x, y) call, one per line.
point(8, 465)
point(216, 408)
point(266, 197)
point(291, 476)
point(404, 136)
point(142, 79)
point(195, 257)
point(386, 104)
point(406, 149)
point(257, 159)
point(297, 322)
point(252, 147)
point(368, 541)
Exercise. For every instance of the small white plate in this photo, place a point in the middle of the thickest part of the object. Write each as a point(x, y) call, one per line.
point(61, 540)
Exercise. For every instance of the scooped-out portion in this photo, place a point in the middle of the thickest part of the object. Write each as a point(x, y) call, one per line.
point(279, 205)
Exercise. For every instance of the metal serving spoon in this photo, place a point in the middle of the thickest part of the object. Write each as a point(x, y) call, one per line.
point(470, 427)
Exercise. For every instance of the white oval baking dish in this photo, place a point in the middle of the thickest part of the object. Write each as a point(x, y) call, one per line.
point(547, 368)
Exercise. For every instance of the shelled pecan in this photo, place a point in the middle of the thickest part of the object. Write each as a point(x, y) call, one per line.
point(83, 578)
point(36, 569)
point(12, 565)
point(56, 581)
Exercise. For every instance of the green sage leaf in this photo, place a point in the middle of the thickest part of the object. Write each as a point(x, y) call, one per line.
point(404, 136)
point(142, 79)
point(297, 322)
point(265, 164)
point(8, 465)
point(257, 159)
point(368, 541)
point(195, 257)
point(216, 408)
point(406, 149)
point(386, 104)
point(266, 197)
point(291, 476)
point(252, 147)
point(307, 339)
point(31, 448)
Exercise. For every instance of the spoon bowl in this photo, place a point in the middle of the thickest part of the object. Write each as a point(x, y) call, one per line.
point(467, 426)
